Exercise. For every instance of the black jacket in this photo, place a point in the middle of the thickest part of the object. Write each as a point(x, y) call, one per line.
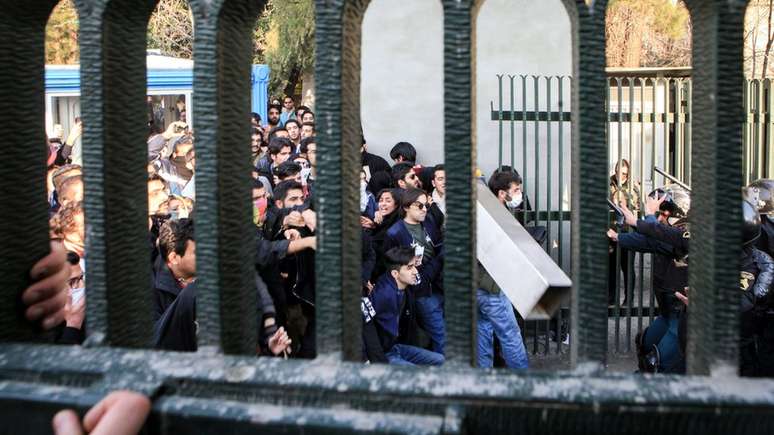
point(165, 289)
point(176, 328)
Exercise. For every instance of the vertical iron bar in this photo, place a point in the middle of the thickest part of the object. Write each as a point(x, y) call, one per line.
point(549, 161)
point(669, 167)
point(769, 148)
point(499, 120)
point(513, 157)
point(678, 168)
point(560, 230)
point(536, 187)
point(617, 300)
point(746, 130)
point(688, 120)
point(524, 181)
point(459, 269)
point(628, 283)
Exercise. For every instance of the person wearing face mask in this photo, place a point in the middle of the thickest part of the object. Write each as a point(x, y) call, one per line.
point(506, 185)
point(73, 329)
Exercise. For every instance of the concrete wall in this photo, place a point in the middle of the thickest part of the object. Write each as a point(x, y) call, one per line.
point(402, 77)
point(402, 69)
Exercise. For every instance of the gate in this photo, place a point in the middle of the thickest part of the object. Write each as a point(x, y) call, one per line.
point(221, 389)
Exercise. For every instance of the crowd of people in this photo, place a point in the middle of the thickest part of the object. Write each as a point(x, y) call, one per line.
point(402, 215)
point(664, 231)
point(402, 208)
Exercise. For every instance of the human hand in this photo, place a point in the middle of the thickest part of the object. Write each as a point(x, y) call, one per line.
point(294, 219)
point(612, 235)
point(628, 216)
point(74, 313)
point(378, 217)
point(683, 297)
point(170, 131)
point(310, 218)
point(280, 342)
point(366, 223)
point(653, 204)
point(119, 413)
point(292, 234)
point(311, 242)
point(75, 133)
point(370, 287)
point(47, 295)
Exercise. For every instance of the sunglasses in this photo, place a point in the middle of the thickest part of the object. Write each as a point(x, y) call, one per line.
point(420, 205)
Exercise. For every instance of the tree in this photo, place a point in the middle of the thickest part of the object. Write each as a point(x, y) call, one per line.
point(283, 37)
point(647, 33)
point(758, 38)
point(62, 34)
point(285, 41)
point(171, 29)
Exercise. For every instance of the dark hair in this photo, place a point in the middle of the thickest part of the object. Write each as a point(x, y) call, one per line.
point(67, 184)
point(73, 258)
point(288, 96)
point(174, 235)
point(257, 184)
point(507, 168)
point(436, 168)
point(502, 181)
point(277, 143)
point(273, 132)
point(308, 111)
point(397, 257)
point(286, 169)
point(281, 190)
point(399, 172)
point(276, 106)
point(298, 124)
point(255, 131)
point(256, 117)
point(308, 123)
point(395, 193)
point(304, 146)
point(155, 177)
point(58, 175)
point(304, 108)
point(405, 150)
point(410, 196)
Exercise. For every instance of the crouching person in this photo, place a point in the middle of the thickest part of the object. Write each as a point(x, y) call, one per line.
point(391, 310)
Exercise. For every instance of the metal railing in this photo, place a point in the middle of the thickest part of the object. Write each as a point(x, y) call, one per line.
point(649, 125)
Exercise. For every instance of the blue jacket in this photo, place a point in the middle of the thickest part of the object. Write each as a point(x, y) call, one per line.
point(392, 324)
point(430, 270)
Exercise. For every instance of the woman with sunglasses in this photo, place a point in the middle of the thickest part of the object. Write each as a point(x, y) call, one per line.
point(419, 231)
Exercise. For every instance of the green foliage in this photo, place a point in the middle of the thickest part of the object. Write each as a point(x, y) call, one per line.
point(170, 29)
point(286, 32)
point(62, 34)
point(283, 37)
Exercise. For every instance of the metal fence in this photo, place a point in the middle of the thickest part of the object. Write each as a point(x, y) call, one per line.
point(224, 388)
point(649, 125)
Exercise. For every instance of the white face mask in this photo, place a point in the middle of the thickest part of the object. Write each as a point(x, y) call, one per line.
point(515, 201)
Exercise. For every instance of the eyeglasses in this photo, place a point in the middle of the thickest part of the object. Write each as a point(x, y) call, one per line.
point(419, 205)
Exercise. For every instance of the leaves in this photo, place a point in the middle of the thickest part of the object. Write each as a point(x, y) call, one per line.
point(62, 35)
point(647, 33)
